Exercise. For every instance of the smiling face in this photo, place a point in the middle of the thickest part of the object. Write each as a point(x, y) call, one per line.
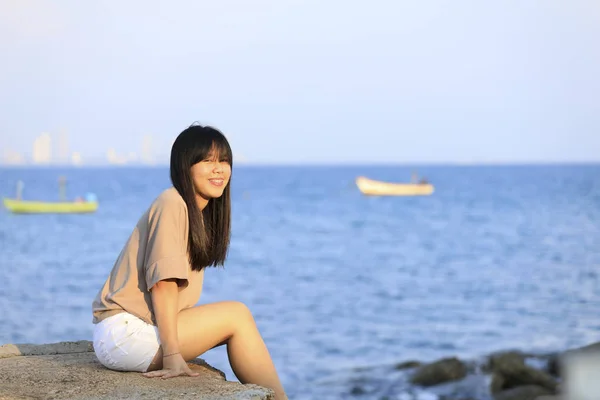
point(211, 176)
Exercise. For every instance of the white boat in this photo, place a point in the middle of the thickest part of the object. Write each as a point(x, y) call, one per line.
point(372, 187)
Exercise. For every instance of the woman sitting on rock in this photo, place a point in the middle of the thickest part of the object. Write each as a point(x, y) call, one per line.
point(145, 315)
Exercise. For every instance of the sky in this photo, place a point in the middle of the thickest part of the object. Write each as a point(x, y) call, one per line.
point(308, 82)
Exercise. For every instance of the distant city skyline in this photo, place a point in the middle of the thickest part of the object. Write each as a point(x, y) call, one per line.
point(48, 149)
point(308, 82)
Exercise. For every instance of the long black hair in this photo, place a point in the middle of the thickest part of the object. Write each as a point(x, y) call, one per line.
point(210, 229)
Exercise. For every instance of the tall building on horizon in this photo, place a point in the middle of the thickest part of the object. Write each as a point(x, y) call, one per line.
point(113, 158)
point(76, 158)
point(42, 149)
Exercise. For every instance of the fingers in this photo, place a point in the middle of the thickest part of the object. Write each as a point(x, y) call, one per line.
point(166, 374)
point(163, 373)
point(155, 374)
point(171, 375)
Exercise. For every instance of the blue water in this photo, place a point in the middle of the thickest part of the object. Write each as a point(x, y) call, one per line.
point(498, 257)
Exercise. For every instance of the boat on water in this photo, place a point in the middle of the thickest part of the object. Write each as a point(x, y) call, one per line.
point(39, 207)
point(372, 187)
point(63, 206)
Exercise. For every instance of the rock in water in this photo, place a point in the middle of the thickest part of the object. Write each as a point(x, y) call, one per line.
point(407, 365)
point(529, 392)
point(510, 371)
point(445, 370)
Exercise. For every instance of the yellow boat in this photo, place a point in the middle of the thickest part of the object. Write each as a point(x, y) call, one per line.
point(372, 187)
point(39, 207)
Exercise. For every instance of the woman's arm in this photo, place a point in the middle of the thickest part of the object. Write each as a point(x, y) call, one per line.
point(165, 296)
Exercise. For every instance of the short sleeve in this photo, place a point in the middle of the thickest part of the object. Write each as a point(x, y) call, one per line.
point(166, 251)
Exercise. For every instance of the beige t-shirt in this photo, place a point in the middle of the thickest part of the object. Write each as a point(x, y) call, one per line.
point(156, 250)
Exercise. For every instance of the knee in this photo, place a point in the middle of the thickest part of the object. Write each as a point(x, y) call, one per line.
point(240, 311)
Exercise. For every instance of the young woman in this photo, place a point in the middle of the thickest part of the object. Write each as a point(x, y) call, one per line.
point(145, 317)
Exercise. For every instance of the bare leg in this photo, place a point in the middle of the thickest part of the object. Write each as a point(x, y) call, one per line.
point(203, 327)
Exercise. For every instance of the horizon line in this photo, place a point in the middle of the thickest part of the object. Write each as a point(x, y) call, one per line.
point(317, 164)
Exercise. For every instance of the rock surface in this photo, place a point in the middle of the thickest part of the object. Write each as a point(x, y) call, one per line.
point(527, 392)
point(70, 370)
point(408, 365)
point(445, 370)
point(510, 371)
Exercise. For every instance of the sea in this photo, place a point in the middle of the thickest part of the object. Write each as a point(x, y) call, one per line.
point(499, 257)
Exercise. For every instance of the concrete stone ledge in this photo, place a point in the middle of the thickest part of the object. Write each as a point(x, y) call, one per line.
point(70, 371)
point(12, 350)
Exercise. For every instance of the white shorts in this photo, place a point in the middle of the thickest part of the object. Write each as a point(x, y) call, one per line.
point(124, 342)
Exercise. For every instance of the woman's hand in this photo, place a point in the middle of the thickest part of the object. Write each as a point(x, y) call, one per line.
point(164, 302)
point(173, 365)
